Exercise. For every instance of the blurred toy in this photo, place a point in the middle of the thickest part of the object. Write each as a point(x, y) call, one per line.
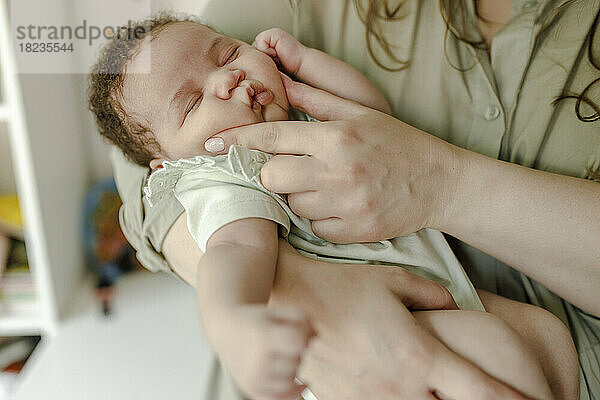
point(11, 223)
point(4, 250)
point(107, 252)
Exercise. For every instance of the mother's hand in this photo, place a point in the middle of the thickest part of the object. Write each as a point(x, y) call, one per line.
point(383, 353)
point(368, 345)
point(361, 176)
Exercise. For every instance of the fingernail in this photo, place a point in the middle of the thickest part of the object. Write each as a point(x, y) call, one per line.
point(214, 144)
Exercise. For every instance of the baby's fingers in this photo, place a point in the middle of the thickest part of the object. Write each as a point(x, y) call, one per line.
point(282, 47)
point(265, 48)
point(288, 315)
point(284, 368)
point(290, 332)
point(286, 389)
point(288, 341)
point(266, 41)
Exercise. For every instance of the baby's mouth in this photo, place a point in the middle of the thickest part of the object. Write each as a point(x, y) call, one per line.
point(257, 97)
point(254, 94)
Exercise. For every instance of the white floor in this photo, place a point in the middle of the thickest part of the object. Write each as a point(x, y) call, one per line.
point(151, 347)
point(7, 381)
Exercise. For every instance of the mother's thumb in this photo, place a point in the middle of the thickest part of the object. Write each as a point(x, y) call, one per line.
point(318, 103)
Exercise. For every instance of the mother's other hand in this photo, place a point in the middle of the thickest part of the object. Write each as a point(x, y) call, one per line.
point(361, 176)
point(368, 344)
point(388, 356)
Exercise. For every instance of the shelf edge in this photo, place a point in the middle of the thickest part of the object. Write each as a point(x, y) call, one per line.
point(4, 112)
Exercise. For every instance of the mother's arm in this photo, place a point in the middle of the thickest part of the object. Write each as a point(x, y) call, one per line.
point(297, 276)
point(345, 304)
point(544, 225)
point(395, 179)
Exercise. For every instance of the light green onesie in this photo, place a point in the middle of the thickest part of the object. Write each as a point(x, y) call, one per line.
point(217, 190)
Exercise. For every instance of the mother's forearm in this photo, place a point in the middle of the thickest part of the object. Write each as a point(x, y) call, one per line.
point(544, 225)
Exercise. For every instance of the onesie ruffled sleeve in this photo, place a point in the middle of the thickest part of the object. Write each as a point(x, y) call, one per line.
point(218, 190)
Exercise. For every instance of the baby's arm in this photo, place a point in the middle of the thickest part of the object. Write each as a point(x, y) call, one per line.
point(319, 69)
point(260, 347)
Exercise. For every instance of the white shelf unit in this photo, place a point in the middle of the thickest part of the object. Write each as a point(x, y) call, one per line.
point(21, 324)
point(4, 112)
point(44, 127)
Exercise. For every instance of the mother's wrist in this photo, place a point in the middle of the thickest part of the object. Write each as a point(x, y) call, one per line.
point(453, 182)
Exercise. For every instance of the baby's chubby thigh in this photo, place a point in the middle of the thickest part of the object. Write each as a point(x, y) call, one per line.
point(546, 335)
point(491, 344)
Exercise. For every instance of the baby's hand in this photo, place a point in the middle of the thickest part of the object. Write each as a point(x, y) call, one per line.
point(265, 351)
point(285, 50)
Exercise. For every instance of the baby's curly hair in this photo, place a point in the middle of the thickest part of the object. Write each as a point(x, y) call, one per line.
point(105, 88)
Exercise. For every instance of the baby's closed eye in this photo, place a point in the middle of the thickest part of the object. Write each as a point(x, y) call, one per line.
point(194, 103)
point(232, 55)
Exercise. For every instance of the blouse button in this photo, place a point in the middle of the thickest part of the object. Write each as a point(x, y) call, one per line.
point(492, 113)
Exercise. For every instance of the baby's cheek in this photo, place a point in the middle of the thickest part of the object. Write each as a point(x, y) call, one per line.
point(274, 112)
point(223, 115)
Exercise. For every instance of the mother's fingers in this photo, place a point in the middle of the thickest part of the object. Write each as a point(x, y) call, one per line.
point(458, 379)
point(313, 205)
point(291, 137)
point(329, 386)
point(332, 229)
point(318, 103)
point(325, 382)
point(331, 377)
point(288, 137)
point(289, 174)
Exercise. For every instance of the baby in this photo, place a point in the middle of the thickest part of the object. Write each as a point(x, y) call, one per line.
point(159, 97)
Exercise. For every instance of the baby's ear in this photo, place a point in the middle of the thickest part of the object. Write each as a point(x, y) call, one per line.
point(156, 163)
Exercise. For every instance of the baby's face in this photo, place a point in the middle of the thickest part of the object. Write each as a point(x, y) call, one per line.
point(200, 84)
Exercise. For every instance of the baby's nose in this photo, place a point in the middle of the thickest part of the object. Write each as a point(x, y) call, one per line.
point(228, 82)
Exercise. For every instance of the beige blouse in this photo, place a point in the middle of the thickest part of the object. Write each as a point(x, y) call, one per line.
point(501, 106)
